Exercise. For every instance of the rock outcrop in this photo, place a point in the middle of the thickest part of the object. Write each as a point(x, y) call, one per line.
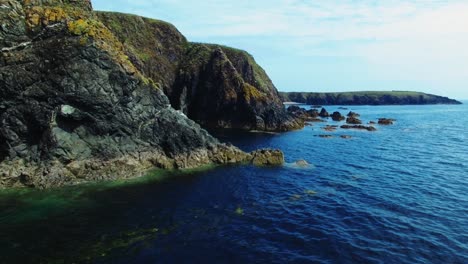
point(366, 98)
point(217, 86)
point(386, 121)
point(77, 105)
point(353, 120)
point(267, 157)
point(336, 116)
point(324, 113)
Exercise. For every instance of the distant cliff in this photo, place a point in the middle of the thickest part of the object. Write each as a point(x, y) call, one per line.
point(366, 98)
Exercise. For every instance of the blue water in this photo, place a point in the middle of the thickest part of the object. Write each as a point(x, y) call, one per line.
point(398, 195)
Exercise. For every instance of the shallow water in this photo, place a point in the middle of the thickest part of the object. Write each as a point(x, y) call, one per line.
point(398, 195)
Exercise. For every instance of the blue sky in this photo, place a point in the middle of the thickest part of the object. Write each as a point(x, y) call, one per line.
point(332, 45)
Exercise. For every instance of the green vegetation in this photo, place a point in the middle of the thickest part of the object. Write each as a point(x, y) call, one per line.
point(154, 46)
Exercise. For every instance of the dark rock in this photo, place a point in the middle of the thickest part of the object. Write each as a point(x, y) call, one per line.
point(353, 114)
point(324, 113)
point(325, 136)
point(360, 127)
point(372, 123)
point(336, 116)
point(346, 137)
point(386, 121)
point(314, 113)
point(315, 120)
point(74, 108)
point(353, 120)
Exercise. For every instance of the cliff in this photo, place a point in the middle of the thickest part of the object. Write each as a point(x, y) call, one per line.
point(217, 86)
point(80, 102)
point(366, 98)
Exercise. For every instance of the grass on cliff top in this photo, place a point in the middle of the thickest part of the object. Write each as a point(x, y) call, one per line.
point(261, 79)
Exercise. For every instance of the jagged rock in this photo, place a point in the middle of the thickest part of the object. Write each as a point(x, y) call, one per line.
point(267, 157)
point(336, 116)
point(360, 127)
point(353, 114)
point(324, 113)
point(314, 113)
point(386, 121)
point(197, 77)
point(353, 120)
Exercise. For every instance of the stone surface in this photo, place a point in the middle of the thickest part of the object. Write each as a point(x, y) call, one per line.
point(77, 107)
point(353, 120)
point(386, 121)
point(324, 113)
point(217, 86)
point(267, 157)
point(336, 116)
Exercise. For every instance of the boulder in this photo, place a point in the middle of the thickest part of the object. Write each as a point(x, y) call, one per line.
point(353, 114)
point(324, 113)
point(267, 157)
point(336, 116)
point(353, 120)
point(386, 121)
point(314, 113)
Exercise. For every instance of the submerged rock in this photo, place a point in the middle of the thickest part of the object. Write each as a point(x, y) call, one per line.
point(360, 127)
point(325, 136)
point(302, 164)
point(330, 128)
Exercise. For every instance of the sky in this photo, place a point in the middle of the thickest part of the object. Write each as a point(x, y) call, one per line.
point(331, 45)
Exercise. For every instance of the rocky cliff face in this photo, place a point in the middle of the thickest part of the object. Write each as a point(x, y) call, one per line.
point(76, 106)
point(218, 87)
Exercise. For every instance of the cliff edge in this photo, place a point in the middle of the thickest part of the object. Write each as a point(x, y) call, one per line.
point(78, 104)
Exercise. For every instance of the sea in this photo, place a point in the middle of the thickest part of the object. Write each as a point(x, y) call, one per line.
point(396, 195)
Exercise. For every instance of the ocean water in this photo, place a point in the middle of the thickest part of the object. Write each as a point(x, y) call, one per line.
point(397, 195)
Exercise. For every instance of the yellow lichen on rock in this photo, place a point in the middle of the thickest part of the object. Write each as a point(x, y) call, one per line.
point(250, 92)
